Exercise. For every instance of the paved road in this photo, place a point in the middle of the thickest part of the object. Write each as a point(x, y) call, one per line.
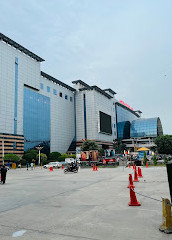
point(87, 206)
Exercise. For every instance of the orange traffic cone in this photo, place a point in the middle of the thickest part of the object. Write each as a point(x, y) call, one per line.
point(147, 164)
point(94, 168)
point(62, 166)
point(135, 176)
point(133, 199)
point(131, 182)
point(129, 165)
point(139, 172)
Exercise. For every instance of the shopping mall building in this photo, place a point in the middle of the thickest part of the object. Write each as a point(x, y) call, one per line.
point(36, 108)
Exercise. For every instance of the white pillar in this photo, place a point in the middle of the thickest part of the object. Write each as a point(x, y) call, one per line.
point(39, 158)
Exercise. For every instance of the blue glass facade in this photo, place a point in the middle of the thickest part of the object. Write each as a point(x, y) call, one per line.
point(36, 119)
point(124, 118)
point(150, 127)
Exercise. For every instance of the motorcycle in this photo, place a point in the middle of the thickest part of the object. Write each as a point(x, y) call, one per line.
point(71, 169)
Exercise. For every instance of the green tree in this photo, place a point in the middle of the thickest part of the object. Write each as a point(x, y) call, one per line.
point(89, 145)
point(119, 147)
point(62, 157)
point(72, 156)
point(101, 151)
point(30, 154)
point(165, 160)
point(154, 160)
point(54, 156)
point(11, 158)
point(144, 159)
point(43, 157)
point(164, 144)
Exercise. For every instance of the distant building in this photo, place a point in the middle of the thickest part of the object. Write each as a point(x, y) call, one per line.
point(37, 108)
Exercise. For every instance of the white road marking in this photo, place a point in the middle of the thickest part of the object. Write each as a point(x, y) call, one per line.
point(19, 233)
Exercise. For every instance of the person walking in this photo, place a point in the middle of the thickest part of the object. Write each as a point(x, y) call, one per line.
point(31, 165)
point(27, 165)
point(3, 174)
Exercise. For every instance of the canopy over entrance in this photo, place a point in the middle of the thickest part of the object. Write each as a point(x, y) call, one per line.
point(143, 149)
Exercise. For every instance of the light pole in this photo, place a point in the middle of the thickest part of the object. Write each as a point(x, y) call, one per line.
point(39, 149)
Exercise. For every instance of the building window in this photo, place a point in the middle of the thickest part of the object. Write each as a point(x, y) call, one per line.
point(114, 126)
point(60, 94)
point(66, 97)
point(54, 92)
point(71, 99)
point(48, 89)
point(42, 86)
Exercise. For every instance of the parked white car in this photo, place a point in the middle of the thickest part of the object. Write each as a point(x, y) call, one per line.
point(52, 164)
point(69, 160)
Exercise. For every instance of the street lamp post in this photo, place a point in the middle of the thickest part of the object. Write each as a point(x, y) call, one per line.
point(39, 149)
point(3, 150)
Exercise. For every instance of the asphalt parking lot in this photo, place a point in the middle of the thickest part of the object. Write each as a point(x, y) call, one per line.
point(38, 204)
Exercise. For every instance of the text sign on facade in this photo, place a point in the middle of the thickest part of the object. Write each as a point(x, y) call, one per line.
point(125, 104)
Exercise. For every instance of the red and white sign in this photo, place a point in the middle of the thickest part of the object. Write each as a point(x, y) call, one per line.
point(125, 104)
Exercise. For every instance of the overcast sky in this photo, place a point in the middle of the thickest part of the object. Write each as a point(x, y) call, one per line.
point(125, 45)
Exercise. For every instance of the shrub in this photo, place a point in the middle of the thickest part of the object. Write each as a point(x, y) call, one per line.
point(11, 158)
point(23, 162)
point(44, 162)
point(54, 156)
point(62, 157)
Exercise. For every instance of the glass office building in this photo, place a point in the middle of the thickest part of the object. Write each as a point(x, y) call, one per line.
point(36, 119)
point(150, 127)
point(124, 117)
point(37, 108)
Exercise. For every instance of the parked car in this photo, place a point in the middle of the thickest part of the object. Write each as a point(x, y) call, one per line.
point(160, 161)
point(69, 160)
point(52, 164)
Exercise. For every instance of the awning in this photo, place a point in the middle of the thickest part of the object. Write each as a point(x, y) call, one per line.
point(143, 149)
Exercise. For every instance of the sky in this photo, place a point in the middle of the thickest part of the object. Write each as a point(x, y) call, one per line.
point(125, 45)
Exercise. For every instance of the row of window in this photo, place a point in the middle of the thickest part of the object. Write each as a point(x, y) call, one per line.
point(55, 92)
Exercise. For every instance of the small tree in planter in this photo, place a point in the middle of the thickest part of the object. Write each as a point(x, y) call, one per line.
point(144, 159)
point(154, 160)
